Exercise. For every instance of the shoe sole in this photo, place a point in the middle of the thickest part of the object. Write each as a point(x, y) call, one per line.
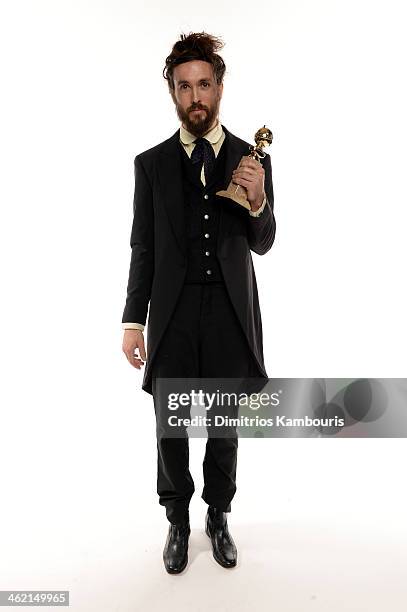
point(229, 565)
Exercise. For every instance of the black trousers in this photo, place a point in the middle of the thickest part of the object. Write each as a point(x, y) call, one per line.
point(204, 339)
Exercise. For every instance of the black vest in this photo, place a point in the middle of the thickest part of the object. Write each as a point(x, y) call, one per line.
point(202, 218)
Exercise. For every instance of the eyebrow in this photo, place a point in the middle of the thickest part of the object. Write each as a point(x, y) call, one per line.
point(200, 81)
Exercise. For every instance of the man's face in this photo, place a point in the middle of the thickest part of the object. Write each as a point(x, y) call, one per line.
point(195, 87)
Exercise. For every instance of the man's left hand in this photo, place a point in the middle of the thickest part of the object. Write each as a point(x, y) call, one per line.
point(250, 174)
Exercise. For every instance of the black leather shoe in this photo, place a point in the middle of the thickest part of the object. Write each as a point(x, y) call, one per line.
point(223, 546)
point(175, 552)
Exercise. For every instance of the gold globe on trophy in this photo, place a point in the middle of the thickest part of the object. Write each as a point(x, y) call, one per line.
point(263, 138)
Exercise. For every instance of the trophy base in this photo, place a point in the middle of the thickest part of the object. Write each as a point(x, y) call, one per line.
point(232, 192)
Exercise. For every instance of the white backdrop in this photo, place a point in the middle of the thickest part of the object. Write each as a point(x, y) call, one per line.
point(82, 94)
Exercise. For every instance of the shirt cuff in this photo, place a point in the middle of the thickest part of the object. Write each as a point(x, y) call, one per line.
point(260, 210)
point(133, 326)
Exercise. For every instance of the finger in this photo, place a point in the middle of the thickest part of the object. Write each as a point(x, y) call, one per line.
point(242, 181)
point(249, 162)
point(258, 171)
point(250, 180)
point(247, 174)
point(142, 351)
point(136, 362)
point(136, 357)
point(133, 359)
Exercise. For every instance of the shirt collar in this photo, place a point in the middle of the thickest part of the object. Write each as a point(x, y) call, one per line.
point(213, 135)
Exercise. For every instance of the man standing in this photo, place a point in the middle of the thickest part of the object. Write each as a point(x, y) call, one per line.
point(191, 265)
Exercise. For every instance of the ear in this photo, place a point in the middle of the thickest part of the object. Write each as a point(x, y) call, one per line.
point(221, 90)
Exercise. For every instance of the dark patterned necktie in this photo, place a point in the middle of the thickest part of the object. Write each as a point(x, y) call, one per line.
point(203, 153)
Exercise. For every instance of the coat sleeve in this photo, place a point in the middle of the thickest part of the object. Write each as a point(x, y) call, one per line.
point(261, 230)
point(142, 249)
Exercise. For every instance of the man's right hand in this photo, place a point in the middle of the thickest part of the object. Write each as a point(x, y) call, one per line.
point(133, 339)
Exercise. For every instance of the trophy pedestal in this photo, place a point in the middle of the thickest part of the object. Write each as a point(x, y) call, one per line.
point(237, 194)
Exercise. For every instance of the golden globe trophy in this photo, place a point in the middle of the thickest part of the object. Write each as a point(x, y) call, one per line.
point(263, 138)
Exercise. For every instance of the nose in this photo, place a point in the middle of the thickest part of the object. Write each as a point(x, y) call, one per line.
point(195, 95)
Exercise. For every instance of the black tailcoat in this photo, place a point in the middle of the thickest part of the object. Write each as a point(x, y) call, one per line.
point(159, 245)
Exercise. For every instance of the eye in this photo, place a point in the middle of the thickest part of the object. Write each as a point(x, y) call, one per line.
point(205, 84)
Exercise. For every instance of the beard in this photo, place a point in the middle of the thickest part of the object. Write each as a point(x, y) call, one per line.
point(198, 123)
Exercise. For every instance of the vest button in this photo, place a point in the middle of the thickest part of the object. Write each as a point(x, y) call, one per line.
point(209, 272)
point(207, 253)
point(206, 216)
point(206, 235)
point(206, 196)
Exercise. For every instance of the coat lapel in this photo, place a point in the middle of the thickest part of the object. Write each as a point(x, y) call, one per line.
point(169, 173)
